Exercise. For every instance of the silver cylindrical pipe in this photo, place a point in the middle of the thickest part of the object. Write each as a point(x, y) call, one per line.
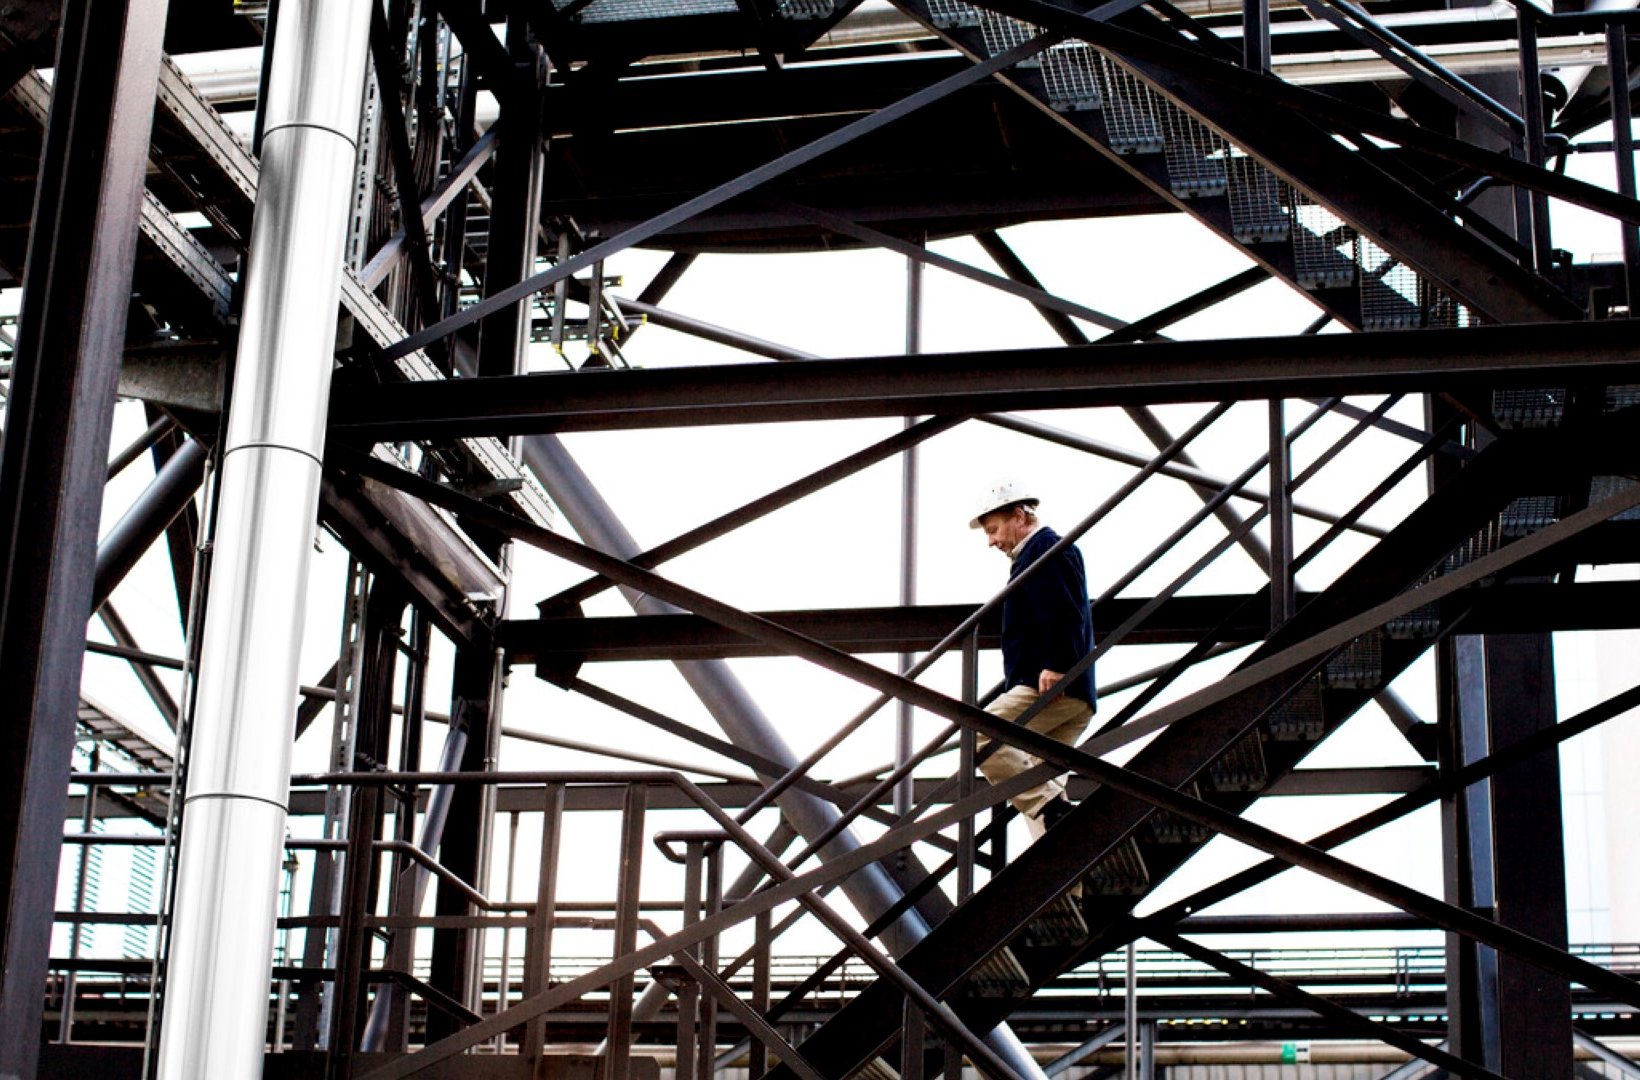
point(239, 760)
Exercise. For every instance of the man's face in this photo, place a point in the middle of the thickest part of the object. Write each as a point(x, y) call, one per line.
point(1005, 529)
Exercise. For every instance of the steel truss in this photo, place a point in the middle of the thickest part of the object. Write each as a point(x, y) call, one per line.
point(496, 177)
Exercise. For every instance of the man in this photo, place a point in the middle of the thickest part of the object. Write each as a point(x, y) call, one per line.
point(1046, 629)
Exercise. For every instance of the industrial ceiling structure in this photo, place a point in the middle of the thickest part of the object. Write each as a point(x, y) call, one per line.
point(330, 321)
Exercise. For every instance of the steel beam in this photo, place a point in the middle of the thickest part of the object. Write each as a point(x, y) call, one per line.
point(722, 694)
point(388, 64)
point(54, 456)
point(559, 641)
point(515, 193)
point(995, 381)
point(718, 195)
point(1128, 784)
point(171, 492)
point(1147, 328)
point(1617, 62)
point(1237, 86)
point(1528, 857)
point(1346, 1019)
point(472, 687)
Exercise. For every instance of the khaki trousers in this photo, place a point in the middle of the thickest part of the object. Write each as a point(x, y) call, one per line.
point(1063, 720)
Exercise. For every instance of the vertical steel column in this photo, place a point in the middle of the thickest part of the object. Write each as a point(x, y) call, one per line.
point(454, 957)
point(1281, 518)
point(905, 790)
point(1255, 35)
point(389, 1012)
point(757, 1052)
point(1617, 60)
point(1529, 857)
point(510, 254)
point(384, 614)
point(913, 1036)
point(315, 999)
point(54, 456)
point(1466, 822)
point(239, 763)
point(1531, 111)
point(453, 229)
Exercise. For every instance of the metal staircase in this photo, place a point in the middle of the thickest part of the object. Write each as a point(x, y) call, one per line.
point(1226, 169)
point(1115, 848)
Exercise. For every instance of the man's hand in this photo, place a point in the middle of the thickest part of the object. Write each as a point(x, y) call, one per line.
point(1045, 681)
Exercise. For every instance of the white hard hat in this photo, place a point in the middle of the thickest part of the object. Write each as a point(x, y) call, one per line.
point(998, 495)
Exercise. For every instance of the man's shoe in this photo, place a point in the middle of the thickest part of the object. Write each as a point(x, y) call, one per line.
point(1055, 811)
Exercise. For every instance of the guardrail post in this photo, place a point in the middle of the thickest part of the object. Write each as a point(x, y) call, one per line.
point(689, 991)
point(758, 1053)
point(617, 1063)
point(538, 947)
point(709, 959)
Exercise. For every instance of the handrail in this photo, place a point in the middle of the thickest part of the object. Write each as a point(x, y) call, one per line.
point(1172, 450)
point(1199, 651)
point(1361, 425)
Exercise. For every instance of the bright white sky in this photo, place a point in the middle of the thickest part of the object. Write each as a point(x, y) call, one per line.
point(841, 548)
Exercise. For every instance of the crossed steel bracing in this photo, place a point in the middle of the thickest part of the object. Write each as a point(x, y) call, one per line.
point(1404, 191)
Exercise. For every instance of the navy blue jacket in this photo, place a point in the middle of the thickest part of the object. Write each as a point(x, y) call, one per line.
point(1045, 622)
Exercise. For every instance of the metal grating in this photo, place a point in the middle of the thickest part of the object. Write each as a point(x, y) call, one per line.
point(1130, 113)
point(1483, 543)
point(1299, 718)
point(950, 14)
point(1519, 410)
point(1000, 976)
point(1169, 828)
point(1441, 309)
point(1259, 203)
point(1358, 665)
point(1323, 245)
point(875, 1069)
point(1602, 488)
point(799, 10)
point(1121, 873)
point(1527, 514)
point(1003, 32)
point(1241, 768)
point(612, 11)
point(1197, 156)
point(1418, 624)
point(1058, 926)
point(1070, 71)
point(1389, 289)
point(1622, 397)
